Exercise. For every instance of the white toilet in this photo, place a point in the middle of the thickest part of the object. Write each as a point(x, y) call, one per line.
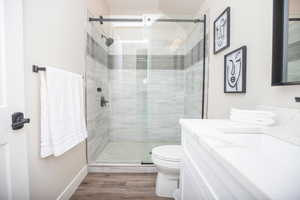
point(167, 160)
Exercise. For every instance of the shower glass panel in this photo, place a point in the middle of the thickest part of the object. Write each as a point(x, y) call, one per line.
point(97, 86)
point(152, 77)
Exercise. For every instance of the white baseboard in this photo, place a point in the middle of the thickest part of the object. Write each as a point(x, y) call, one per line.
point(121, 169)
point(73, 185)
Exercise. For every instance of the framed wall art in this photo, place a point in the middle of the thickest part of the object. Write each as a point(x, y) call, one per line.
point(222, 31)
point(235, 71)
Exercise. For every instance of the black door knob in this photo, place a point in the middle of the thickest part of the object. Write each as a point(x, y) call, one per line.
point(18, 121)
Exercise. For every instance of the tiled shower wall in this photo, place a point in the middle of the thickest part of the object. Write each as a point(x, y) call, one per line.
point(147, 97)
point(96, 77)
point(294, 52)
point(146, 62)
point(194, 74)
point(146, 105)
point(150, 93)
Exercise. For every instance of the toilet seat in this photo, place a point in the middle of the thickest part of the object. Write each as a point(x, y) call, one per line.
point(173, 167)
point(168, 153)
point(167, 160)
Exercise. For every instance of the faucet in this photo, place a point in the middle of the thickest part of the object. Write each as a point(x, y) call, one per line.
point(104, 102)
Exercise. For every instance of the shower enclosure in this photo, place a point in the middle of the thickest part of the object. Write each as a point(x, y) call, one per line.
point(138, 88)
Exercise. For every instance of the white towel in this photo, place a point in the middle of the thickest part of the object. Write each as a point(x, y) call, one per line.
point(253, 120)
point(260, 113)
point(62, 111)
point(245, 130)
point(263, 118)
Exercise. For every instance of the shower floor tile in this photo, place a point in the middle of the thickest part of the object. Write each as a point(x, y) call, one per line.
point(128, 152)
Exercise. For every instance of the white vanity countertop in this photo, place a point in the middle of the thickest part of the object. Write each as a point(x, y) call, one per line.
point(272, 165)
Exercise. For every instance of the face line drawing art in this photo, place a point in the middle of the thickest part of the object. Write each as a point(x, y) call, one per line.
point(221, 32)
point(233, 71)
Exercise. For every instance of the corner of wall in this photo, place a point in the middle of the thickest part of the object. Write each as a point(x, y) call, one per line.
point(73, 185)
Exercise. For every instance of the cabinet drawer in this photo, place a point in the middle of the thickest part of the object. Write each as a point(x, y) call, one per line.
point(192, 185)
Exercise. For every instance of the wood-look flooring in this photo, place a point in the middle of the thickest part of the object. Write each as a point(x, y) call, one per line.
point(102, 186)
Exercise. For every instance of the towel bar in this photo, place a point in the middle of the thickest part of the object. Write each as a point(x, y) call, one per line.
point(36, 68)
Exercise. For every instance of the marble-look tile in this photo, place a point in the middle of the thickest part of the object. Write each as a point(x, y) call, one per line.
point(294, 51)
point(294, 32)
point(95, 50)
point(146, 105)
point(294, 71)
point(122, 61)
point(148, 94)
point(143, 62)
point(97, 116)
point(193, 91)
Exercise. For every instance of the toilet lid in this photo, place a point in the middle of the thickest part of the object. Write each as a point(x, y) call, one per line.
point(168, 152)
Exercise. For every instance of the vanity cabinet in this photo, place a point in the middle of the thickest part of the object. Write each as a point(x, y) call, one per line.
point(205, 177)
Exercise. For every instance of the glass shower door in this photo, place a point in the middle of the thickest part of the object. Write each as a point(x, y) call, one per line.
point(152, 76)
point(172, 81)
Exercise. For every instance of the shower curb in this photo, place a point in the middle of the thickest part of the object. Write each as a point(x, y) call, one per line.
point(121, 168)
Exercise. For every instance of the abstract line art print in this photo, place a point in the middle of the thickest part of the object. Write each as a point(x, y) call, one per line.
point(235, 71)
point(222, 31)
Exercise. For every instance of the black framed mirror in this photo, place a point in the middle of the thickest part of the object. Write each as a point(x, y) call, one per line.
point(286, 43)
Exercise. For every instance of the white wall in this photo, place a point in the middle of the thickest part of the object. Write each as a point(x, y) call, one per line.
point(98, 7)
point(54, 36)
point(294, 8)
point(251, 25)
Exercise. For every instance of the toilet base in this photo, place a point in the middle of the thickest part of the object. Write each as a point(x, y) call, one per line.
point(166, 185)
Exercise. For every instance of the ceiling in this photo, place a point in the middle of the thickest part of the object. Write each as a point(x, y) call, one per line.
point(139, 7)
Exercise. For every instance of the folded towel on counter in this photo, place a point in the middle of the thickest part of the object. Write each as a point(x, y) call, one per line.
point(259, 113)
point(237, 127)
point(253, 120)
point(62, 111)
point(241, 130)
point(263, 118)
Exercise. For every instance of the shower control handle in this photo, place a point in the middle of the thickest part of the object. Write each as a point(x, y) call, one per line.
point(104, 102)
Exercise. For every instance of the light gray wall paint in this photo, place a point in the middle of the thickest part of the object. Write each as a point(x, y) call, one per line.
point(54, 36)
point(251, 25)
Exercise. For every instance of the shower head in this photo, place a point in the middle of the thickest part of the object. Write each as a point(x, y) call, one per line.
point(108, 41)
